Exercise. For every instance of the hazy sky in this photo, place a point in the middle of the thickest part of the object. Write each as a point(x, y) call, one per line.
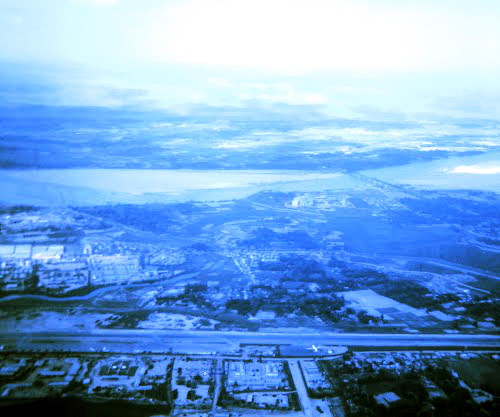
point(349, 56)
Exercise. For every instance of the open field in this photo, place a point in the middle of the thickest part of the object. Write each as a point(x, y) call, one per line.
point(377, 304)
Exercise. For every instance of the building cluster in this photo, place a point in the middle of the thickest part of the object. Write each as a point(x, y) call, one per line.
point(114, 269)
point(24, 266)
point(257, 384)
point(400, 363)
point(42, 377)
point(120, 377)
point(314, 378)
point(59, 268)
point(63, 276)
point(193, 383)
point(256, 376)
point(116, 375)
point(15, 275)
point(207, 384)
point(23, 252)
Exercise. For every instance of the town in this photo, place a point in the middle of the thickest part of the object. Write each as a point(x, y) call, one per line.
point(260, 377)
point(268, 305)
point(287, 263)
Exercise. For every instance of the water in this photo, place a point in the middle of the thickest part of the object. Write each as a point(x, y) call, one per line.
point(83, 187)
point(476, 172)
point(80, 187)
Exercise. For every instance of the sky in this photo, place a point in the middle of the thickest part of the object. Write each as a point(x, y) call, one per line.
point(357, 58)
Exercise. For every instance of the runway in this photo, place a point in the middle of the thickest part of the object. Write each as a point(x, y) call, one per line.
point(212, 342)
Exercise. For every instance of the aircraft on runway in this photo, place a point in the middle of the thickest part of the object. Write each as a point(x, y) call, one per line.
point(313, 347)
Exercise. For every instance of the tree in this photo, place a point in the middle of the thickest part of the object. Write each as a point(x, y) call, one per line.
point(243, 307)
point(38, 383)
point(191, 384)
point(364, 317)
point(204, 322)
point(191, 395)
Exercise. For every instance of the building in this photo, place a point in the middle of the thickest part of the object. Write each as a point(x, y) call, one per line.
point(42, 253)
point(63, 275)
point(386, 398)
point(114, 269)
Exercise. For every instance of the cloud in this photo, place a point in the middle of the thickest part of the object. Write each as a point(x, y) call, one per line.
point(476, 169)
point(381, 60)
point(314, 35)
point(97, 2)
point(128, 94)
point(280, 36)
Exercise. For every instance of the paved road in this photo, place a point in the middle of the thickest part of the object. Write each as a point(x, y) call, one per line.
point(227, 341)
point(218, 384)
point(97, 292)
point(450, 265)
point(300, 386)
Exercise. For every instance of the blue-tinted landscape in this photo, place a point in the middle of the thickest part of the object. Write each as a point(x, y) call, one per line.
point(235, 208)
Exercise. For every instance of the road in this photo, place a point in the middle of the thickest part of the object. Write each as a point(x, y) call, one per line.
point(300, 386)
point(95, 293)
point(450, 265)
point(198, 342)
point(218, 384)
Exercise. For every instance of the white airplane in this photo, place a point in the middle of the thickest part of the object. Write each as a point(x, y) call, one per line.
point(313, 347)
